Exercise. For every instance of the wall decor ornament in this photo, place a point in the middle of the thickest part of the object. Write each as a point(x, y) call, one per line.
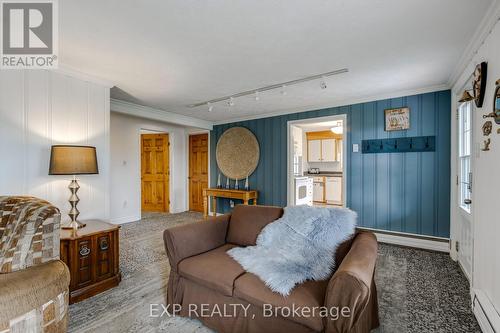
point(237, 153)
point(397, 119)
point(479, 83)
point(496, 103)
point(486, 146)
point(487, 127)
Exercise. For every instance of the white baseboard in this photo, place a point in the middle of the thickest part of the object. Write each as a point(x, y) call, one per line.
point(125, 219)
point(485, 312)
point(412, 240)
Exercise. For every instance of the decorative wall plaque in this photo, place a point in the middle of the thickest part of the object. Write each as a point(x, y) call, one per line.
point(479, 83)
point(397, 119)
point(237, 153)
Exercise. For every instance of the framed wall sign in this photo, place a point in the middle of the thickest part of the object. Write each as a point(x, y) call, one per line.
point(397, 119)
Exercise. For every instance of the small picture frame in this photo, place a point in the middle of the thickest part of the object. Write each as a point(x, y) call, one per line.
point(397, 119)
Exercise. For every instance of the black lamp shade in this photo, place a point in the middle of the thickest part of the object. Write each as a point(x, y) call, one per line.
point(73, 160)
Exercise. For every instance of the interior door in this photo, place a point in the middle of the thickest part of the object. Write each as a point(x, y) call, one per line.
point(198, 170)
point(155, 172)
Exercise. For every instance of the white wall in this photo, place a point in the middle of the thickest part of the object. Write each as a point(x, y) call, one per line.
point(40, 108)
point(126, 166)
point(486, 186)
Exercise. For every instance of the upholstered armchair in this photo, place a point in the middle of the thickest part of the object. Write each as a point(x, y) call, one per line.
point(33, 281)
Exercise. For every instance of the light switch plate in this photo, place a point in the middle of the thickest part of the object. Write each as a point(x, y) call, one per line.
point(355, 148)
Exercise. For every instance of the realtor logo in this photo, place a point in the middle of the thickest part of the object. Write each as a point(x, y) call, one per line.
point(29, 34)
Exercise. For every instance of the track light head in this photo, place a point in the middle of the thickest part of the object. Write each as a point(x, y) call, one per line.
point(231, 101)
point(323, 83)
point(210, 107)
point(257, 97)
point(283, 90)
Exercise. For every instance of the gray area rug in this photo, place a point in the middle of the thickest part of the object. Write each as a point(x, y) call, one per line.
point(419, 291)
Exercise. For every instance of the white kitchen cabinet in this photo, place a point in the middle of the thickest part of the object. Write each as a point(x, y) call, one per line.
point(339, 151)
point(314, 150)
point(318, 192)
point(333, 190)
point(328, 150)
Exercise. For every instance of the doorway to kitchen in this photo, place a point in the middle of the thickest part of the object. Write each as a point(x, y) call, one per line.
point(317, 161)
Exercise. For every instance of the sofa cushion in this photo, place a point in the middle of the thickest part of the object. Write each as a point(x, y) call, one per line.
point(309, 294)
point(214, 269)
point(247, 222)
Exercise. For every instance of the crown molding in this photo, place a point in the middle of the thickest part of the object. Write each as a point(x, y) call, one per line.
point(157, 114)
point(482, 32)
point(365, 99)
point(73, 72)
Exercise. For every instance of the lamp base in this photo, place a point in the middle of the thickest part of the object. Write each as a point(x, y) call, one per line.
point(73, 225)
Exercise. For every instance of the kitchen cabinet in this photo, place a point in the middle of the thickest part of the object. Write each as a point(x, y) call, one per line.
point(328, 150)
point(314, 151)
point(322, 150)
point(333, 190)
point(318, 192)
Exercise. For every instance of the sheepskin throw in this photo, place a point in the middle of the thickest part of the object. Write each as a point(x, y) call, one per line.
point(297, 247)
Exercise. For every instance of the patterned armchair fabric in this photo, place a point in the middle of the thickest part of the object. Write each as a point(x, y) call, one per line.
point(33, 281)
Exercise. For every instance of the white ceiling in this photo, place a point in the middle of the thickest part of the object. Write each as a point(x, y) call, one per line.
point(170, 53)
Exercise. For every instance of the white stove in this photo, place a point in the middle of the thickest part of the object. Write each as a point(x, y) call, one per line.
point(303, 191)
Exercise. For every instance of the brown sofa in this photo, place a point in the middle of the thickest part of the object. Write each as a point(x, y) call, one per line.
point(236, 301)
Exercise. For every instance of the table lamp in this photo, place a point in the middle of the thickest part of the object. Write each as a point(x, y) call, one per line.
point(73, 160)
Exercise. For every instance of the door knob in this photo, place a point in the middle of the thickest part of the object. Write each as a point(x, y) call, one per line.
point(467, 201)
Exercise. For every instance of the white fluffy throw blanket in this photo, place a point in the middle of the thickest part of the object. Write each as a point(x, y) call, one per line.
point(297, 247)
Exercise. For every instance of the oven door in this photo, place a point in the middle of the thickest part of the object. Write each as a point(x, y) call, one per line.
point(303, 192)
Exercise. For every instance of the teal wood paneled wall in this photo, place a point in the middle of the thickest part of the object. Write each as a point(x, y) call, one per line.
point(406, 192)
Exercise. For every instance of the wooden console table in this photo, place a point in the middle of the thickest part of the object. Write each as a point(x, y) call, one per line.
point(92, 255)
point(215, 193)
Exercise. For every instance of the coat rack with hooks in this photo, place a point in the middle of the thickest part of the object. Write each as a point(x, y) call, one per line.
point(399, 145)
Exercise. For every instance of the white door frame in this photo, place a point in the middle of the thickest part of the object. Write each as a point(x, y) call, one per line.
point(458, 217)
point(289, 153)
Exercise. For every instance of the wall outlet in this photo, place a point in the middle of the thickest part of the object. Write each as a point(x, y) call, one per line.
point(355, 148)
point(231, 203)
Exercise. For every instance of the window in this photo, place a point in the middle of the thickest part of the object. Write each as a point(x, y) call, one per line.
point(464, 155)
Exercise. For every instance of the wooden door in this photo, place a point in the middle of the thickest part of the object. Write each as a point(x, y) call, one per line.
point(155, 172)
point(198, 170)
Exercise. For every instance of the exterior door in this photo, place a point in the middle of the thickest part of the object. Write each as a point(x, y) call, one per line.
point(155, 172)
point(198, 170)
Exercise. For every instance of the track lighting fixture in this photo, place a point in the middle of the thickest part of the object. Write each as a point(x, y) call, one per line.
point(282, 86)
point(323, 83)
point(210, 107)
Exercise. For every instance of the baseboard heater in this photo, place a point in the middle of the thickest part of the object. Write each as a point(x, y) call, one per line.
point(486, 314)
point(411, 240)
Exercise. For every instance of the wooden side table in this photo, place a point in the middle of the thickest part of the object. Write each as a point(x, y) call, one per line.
point(92, 255)
point(215, 193)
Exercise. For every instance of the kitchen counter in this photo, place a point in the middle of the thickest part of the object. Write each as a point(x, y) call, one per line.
point(324, 173)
